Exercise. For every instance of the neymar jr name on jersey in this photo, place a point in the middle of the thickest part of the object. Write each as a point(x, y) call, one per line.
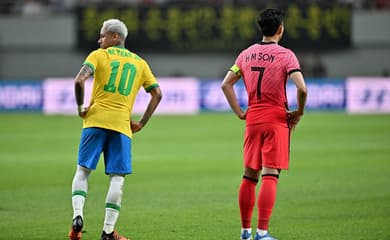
point(259, 56)
point(123, 52)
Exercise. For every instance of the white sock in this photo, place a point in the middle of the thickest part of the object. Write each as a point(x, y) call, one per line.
point(78, 205)
point(262, 232)
point(247, 229)
point(113, 202)
point(110, 220)
point(79, 190)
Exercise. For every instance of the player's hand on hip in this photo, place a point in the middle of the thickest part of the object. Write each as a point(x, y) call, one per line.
point(293, 118)
point(83, 112)
point(242, 115)
point(135, 126)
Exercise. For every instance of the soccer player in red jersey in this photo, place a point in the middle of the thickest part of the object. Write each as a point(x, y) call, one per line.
point(265, 68)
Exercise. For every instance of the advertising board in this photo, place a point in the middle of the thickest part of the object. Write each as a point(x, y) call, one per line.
point(180, 96)
point(21, 95)
point(324, 94)
point(189, 95)
point(368, 95)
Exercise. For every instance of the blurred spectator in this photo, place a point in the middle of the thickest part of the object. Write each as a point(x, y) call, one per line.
point(129, 2)
point(383, 4)
point(59, 6)
point(90, 2)
point(37, 7)
point(142, 2)
point(29, 8)
point(356, 4)
point(33, 8)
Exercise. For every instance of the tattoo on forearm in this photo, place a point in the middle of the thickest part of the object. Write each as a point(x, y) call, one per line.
point(85, 72)
point(83, 75)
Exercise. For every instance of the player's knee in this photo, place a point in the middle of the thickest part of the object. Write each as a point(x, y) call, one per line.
point(250, 173)
point(270, 171)
point(82, 173)
point(255, 180)
point(276, 176)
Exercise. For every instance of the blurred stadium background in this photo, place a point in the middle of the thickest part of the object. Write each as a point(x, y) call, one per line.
point(343, 47)
point(334, 40)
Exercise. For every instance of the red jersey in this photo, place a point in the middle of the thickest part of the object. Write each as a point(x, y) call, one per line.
point(265, 68)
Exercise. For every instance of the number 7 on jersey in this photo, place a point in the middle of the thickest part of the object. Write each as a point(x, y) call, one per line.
point(260, 78)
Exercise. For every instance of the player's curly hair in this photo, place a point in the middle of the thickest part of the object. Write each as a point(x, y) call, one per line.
point(269, 21)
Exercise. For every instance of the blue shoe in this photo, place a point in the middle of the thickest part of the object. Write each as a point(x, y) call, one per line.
point(246, 235)
point(265, 237)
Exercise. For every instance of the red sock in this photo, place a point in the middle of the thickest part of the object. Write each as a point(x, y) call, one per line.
point(246, 201)
point(266, 200)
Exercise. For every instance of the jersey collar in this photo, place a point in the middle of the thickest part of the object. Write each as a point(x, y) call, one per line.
point(265, 43)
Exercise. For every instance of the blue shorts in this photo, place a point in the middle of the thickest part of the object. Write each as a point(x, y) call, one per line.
point(115, 146)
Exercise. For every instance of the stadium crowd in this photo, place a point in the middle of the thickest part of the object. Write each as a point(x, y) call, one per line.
point(39, 7)
point(313, 63)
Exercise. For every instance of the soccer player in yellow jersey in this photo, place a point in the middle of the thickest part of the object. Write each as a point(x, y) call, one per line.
point(107, 124)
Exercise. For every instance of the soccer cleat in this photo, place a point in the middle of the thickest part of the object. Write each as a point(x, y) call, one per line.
point(246, 235)
point(112, 236)
point(265, 237)
point(75, 231)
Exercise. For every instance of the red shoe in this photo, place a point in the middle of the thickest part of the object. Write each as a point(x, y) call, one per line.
point(112, 236)
point(74, 235)
point(75, 231)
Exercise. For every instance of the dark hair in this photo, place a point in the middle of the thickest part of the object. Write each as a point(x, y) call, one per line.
point(269, 21)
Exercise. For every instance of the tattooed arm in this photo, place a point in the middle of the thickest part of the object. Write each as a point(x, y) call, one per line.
point(79, 83)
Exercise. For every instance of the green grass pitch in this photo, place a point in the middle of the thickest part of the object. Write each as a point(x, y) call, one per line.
point(187, 170)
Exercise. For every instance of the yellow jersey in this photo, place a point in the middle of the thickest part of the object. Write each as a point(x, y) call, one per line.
point(118, 76)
